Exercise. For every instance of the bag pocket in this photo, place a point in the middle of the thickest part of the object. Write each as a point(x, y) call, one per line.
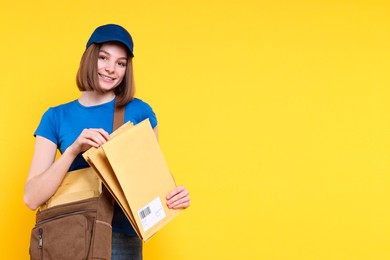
point(102, 240)
point(62, 237)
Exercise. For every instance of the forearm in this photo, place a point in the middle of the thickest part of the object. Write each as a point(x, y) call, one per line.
point(41, 187)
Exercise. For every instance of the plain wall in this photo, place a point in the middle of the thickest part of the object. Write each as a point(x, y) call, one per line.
point(274, 114)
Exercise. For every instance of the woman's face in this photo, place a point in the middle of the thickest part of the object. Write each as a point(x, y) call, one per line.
point(112, 63)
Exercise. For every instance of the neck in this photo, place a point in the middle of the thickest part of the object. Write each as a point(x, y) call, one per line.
point(92, 98)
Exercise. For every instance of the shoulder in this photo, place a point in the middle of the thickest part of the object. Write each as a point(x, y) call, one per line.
point(139, 106)
point(54, 113)
point(62, 107)
point(51, 121)
point(136, 102)
point(138, 110)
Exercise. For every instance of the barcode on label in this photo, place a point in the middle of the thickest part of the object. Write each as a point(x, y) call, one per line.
point(145, 212)
point(151, 214)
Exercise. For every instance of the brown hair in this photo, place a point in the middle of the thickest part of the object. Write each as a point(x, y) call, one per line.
point(87, 76)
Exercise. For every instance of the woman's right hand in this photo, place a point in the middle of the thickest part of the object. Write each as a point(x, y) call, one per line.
point(91, 137)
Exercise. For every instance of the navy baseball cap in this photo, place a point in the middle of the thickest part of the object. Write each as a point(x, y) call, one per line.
point(112, 32)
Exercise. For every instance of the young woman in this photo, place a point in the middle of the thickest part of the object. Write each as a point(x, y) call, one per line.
point(105, 78)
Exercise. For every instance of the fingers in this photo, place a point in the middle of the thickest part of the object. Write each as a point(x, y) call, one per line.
point(102, 132)
point(90, 138)
point(178, 198)
point(175, 191)
point(95, 137)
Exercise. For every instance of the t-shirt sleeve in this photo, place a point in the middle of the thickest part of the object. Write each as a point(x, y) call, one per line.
point(151, 115)
point(47, 126)
point(138, 110)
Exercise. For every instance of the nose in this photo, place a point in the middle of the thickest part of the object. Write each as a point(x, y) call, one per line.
point(110, 68)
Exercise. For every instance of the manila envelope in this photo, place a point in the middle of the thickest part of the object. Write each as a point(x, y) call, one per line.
point(76, 185)
point(140, 167)
point(97, 159)
point(133, 168)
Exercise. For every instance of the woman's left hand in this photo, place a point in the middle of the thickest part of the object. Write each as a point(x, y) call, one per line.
point(179, 198)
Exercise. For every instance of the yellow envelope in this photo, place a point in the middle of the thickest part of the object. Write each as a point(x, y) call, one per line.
point(133, 168)
point(97, 159)
point(76, 185)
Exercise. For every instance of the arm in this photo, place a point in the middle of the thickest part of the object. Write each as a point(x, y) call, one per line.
point(179, 198)
point(46, 173)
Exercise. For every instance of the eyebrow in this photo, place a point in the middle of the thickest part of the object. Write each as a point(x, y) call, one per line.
point(120, 58)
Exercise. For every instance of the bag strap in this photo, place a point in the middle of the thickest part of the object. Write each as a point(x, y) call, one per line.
point(105, 208)
point(119, 117)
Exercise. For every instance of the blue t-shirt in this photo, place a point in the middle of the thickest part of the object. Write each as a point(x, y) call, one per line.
point(64, 123)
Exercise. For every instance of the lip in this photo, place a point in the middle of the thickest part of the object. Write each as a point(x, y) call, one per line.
point(106, 78)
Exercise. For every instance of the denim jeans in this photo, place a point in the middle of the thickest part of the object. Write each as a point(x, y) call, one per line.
point(126, 247)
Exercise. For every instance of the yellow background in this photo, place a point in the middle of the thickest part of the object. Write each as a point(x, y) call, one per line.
point(274, 114)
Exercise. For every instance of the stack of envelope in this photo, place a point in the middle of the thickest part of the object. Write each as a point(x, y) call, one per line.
point(132, 167)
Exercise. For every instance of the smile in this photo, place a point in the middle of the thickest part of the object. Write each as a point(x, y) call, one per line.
point(106, 77)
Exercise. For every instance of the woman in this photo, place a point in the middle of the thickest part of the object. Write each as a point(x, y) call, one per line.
point(105, 78)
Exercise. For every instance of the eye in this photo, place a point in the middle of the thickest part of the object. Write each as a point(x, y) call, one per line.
point(122, 64)
point(102, 57)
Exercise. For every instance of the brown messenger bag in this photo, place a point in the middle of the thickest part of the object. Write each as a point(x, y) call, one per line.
point(76, 230)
